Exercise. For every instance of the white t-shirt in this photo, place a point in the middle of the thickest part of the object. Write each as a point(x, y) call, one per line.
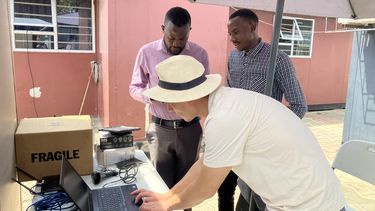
point(271, 149)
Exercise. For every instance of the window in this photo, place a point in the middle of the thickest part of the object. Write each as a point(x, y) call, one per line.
point(63, 25)
point(296, 36)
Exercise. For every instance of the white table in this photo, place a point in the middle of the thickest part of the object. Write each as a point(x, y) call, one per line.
point(147, 176)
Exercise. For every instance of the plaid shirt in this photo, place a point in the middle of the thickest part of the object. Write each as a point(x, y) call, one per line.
point(248, 70)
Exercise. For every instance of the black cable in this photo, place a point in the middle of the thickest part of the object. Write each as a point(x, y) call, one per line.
point(27, 174)
point(354, 15)
point(128, 173)
point(27, 188)
point(127, 176)
point(128, 170)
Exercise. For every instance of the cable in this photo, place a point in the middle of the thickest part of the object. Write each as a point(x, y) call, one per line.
point(84, 96)
point(27, 188)
point(128, 173)
point(31, 73)
point(128, 170)
point(354, 15)
point(53, 201)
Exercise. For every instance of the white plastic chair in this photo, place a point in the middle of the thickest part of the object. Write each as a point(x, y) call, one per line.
point(357, 157)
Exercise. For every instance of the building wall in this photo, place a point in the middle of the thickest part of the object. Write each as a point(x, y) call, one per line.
point(359, 123)
point(9, 191)
point(62, 78)
point(325, 76)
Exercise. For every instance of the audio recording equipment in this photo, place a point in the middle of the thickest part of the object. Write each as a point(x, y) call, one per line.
point(111, 156)
point(98, 176)
point(116, 137)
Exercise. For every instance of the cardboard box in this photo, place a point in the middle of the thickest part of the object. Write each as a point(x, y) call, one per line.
point(41, 142)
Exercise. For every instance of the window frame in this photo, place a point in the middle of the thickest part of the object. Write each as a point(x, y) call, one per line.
point(295, 20)
point(54, 32)
point(294, 28)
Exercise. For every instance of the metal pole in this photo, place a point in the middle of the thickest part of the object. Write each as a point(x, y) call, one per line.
point(271, 69)
point(274, 47)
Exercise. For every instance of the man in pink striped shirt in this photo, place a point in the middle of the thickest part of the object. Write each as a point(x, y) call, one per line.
point(174, 143)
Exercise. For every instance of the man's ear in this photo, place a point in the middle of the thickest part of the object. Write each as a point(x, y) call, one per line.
point(253, 25)
point(162, 27)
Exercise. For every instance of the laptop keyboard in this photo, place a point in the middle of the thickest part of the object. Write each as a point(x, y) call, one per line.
point(115, 198)
point(111, 199)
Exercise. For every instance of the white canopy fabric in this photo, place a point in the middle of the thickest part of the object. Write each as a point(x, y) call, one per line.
point(321, 8)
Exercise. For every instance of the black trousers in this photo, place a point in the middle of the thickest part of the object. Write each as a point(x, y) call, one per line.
point(226, 192)
point(242, 204)
point(255, 204)
point(226, 197)
point(176, 151)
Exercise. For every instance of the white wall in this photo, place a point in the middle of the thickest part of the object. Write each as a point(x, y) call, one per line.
point(9, 191)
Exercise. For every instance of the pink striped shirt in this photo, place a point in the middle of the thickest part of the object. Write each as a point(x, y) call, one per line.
point(144, 73)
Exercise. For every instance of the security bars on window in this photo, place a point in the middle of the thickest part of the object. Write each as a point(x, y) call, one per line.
point(53, 24)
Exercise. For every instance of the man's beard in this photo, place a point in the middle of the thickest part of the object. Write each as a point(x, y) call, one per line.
point(175, 52)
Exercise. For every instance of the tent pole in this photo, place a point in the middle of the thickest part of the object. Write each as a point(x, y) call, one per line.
point(274, 47)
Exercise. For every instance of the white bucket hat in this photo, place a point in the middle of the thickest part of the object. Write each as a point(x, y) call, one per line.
point(182, 79)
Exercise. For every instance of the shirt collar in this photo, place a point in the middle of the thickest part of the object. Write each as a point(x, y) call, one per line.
point(254, 51)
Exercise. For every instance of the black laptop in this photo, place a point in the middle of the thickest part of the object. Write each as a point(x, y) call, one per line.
point(104, 199)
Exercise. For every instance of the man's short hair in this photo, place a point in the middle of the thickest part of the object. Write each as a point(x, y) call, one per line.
point(245, 14)
point(178, 16)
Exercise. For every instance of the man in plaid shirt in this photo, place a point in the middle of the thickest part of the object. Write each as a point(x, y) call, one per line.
point(247, 69)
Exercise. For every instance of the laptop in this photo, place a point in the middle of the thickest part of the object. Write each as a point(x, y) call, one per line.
point(105, 199)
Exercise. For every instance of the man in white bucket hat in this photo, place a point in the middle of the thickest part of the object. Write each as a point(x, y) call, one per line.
point(243, 131)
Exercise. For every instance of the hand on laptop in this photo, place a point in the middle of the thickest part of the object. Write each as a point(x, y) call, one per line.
point(151, 201)
point(138, 203)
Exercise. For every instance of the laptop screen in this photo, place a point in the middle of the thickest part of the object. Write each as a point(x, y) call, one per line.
point(74, 185)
